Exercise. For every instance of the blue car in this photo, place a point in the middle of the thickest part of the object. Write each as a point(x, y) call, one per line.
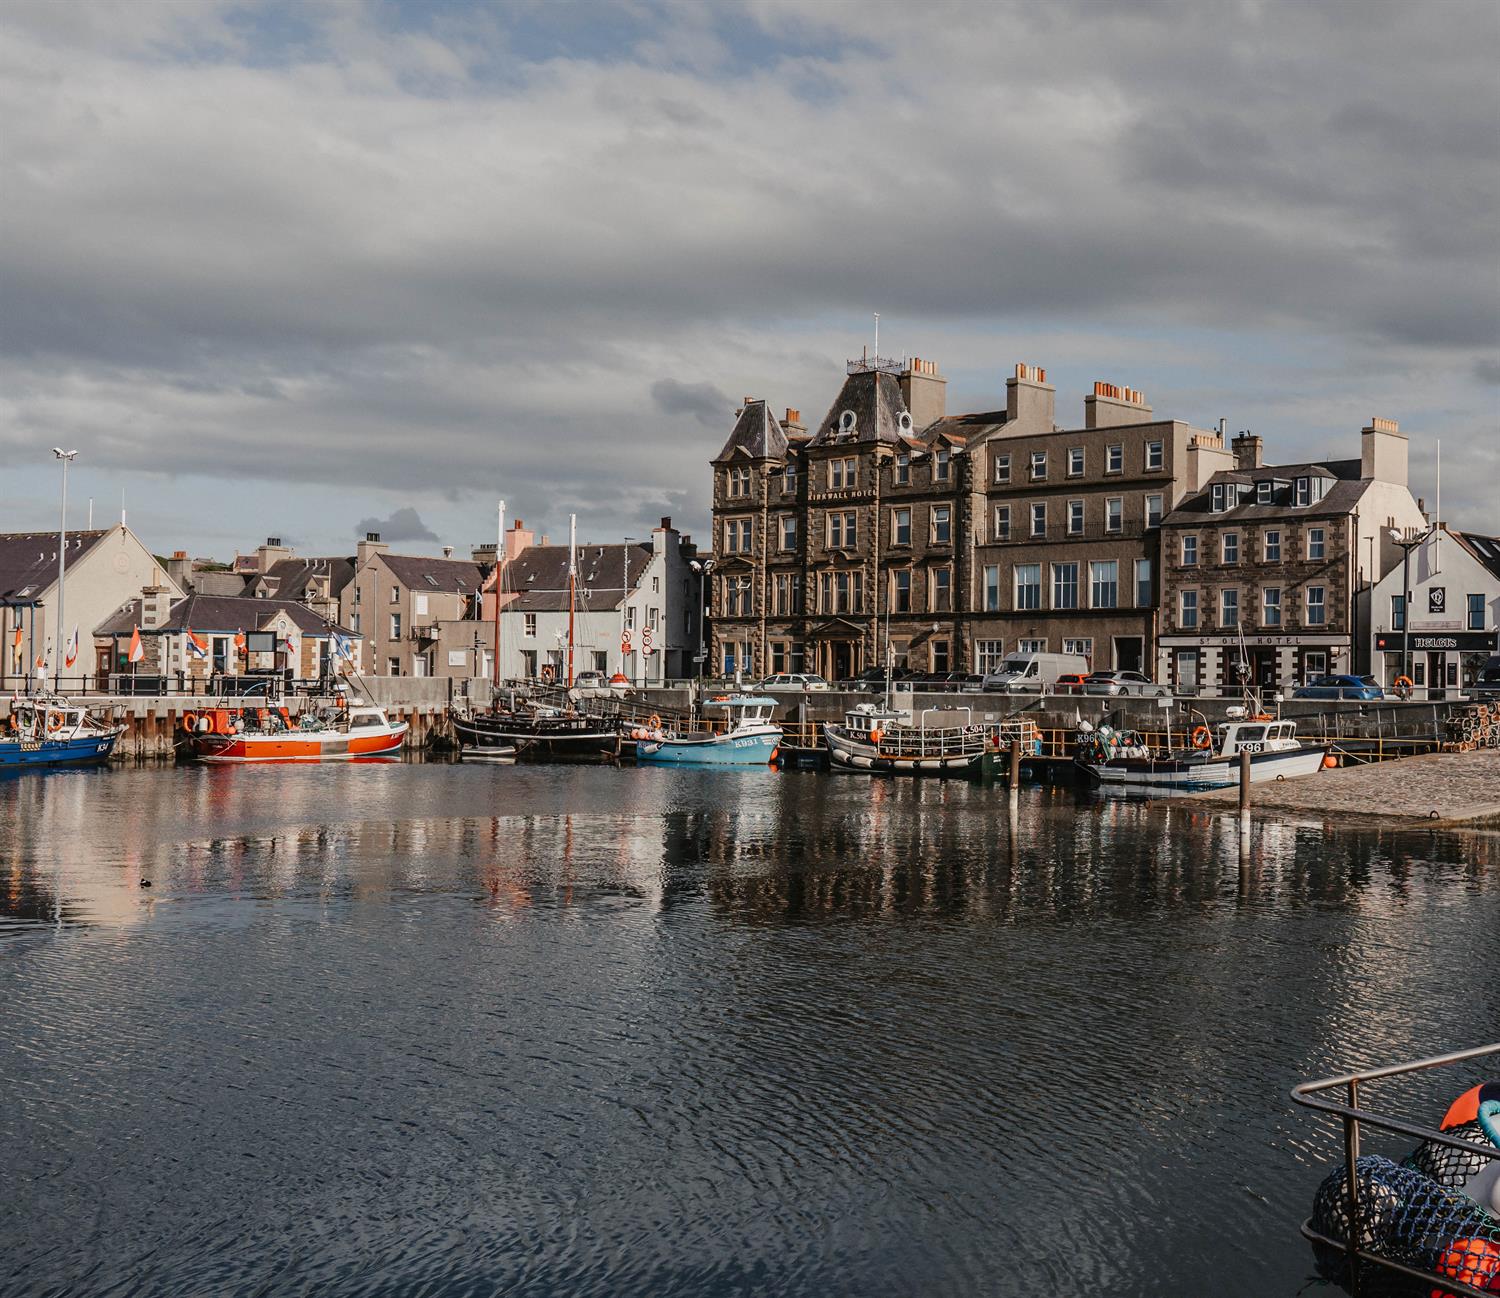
point(1364, 688)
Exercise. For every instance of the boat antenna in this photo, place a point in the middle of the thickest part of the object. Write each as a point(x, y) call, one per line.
point(572, 587)
point(499, 571)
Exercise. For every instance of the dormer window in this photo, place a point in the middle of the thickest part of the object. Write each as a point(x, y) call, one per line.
point(847, 421)
point(940, 464)
point(1220, 498)
point(903, 468)
point(789, 478)
point(1263, 493)
point(1304, 491)
point(903, 422)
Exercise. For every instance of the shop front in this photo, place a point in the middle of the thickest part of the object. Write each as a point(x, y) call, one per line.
point(1440, 664)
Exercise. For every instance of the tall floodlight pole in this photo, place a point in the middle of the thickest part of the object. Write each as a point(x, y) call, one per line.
point(499, 568)
point(62, 562)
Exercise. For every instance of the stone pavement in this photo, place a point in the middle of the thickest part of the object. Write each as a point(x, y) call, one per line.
point(1435, 788)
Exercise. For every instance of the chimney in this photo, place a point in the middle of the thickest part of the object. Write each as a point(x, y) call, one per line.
point(792, 424)
point(924, 390)
point(1247, 451)
point(1110, 406)
point(483, 553)
point(371, 545)
point(156, 605)
point(517, 538)
point(447, 552)
point(1382, 452)
point(180, 569)
point(1030, 401)
point(270, 553)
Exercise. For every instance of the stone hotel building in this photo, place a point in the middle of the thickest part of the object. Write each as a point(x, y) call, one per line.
point(955, 538)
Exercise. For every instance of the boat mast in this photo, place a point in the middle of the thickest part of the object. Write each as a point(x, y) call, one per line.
point(572, 587)
point(499, 567)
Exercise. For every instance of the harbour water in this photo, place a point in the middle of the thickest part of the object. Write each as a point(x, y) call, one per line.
point(589, 1031)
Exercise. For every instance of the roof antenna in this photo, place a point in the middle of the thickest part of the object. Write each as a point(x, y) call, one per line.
point(91, 513)
point(122, 506)
point(877, 335)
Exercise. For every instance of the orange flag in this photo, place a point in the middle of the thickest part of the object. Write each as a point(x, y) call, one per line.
point(137, 649)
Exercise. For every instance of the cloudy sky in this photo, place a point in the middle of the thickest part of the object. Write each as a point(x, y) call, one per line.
point(306, 268)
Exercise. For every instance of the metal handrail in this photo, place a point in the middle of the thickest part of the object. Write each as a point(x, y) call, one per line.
point(1351, 1115)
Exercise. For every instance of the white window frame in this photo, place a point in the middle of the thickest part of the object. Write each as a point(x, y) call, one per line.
point(1076, 462)
point(1187, 610)
point(1114, 515)
point(1229, 597)
point(1153, 503)
point(901, 521)
point(1038, 511)
point(1317, 543)
point(1270, 606)
point(1076, 516)
point(1001, 523)
point(1001, 470)
point(1321, 604)
point(1114, 458)
point(1185, 562)
point(1019, 603)
point(1038, 466)
point(1269, 538)
point(1058, 571)
point(1154, 456)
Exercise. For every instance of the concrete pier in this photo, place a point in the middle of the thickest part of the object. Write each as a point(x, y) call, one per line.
point(1435, 789)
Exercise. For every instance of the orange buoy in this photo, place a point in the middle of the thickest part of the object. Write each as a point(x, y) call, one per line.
point(1330, 761)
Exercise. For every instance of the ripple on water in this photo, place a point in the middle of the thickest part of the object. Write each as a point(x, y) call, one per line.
point(592, 1031)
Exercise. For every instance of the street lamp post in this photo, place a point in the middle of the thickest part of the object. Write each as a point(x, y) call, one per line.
point(1407, 544)
point(702, 569)
point(62, 562)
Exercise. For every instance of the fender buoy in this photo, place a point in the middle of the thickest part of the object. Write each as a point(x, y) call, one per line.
point(1202, 738)
point(1329, 762)
point(654, 722)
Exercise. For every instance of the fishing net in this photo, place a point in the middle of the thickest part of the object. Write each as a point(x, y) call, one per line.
point(1408, 1216)
point(1451, 1167)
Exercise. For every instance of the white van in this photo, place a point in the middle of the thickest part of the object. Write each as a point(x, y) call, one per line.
point(1033, 673)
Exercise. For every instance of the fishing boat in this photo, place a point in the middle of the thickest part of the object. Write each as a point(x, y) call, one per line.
point(49, 730)
point(751, 738)
point(1121, 758)
point(545, 724)
point(343, 731)
point(539, 734)
point(878, 738)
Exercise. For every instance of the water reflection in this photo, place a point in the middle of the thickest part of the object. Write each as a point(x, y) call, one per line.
point(603, 1031)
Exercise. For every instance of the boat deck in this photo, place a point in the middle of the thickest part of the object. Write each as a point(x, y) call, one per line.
point(1438, 788)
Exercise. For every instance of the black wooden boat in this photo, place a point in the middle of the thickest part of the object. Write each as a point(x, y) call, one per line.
point(540, 736)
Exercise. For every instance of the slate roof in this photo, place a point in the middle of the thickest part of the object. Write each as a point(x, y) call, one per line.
point(28, 560)
point(289, 578)
point(220, 614)
point(1341, 498)
point(1486, 549)
point(756, 434)
point(540, 576)
point(965, 427)
point(875, 398)
point(421, 574)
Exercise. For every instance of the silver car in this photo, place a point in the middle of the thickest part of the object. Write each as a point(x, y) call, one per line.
point(793, 681)
point(1124, 685)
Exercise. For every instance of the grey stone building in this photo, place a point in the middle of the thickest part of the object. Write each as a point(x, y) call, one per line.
point(954, 538)
point(830, 544)
point(1263, 568)
point(1066, 521)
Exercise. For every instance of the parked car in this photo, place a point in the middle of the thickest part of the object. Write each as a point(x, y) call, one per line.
point(1488, 684)
point(1069, 683)
point(1365, 688)
point(943, 682)
point(1033, 673)
point(793, 681)
point(872, 680)
point(1124, 685)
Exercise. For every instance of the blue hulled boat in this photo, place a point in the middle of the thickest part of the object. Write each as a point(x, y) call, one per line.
point(48, 730)
point(751, 739)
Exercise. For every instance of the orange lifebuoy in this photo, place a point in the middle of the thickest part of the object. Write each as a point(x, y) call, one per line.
point(54, 721)
point(1202, 737)
point(1403, 686)
point(876, 736)
point(653, 722)
point(189, 722)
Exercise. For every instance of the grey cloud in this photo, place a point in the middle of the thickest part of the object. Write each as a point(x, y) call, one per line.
point(227, 266)
point(404, 524)
point(706, 403)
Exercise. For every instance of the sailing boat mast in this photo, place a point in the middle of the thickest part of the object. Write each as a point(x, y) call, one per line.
point(499, 568)
point(572, 587)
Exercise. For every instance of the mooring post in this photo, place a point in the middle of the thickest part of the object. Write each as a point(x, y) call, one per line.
point(1015, 770)
point(1244, 791)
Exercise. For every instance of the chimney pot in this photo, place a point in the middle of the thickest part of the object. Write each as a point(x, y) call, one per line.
point(372, 536)
point(666, 523)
